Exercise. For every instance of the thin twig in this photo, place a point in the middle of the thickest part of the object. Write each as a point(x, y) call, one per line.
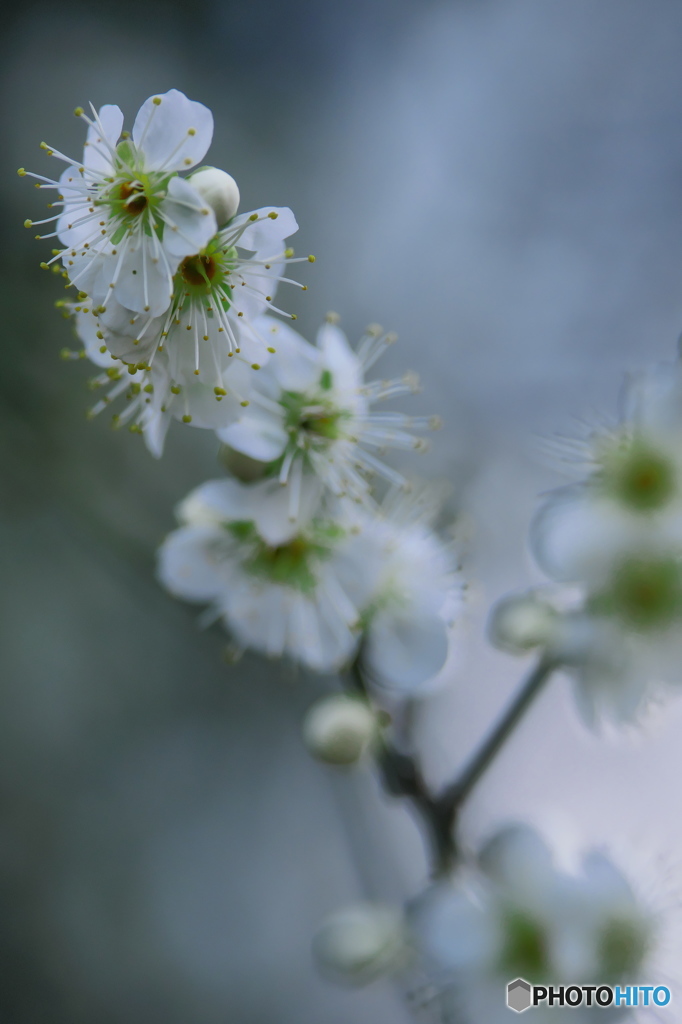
point(402, 775)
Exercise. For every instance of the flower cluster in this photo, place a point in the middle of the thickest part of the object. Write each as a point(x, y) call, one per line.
point(171, 279)
point(508, 912)
point(175, 292)
point(317, 586)
point(613, 541)
point(513, 913)
point(301, 555)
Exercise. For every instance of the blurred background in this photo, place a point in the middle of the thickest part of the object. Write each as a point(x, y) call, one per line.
point(499, 181)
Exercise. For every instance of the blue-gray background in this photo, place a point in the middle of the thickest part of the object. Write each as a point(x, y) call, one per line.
point(500, 181)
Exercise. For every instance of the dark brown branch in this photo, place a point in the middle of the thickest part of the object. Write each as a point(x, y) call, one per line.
point(401, 774)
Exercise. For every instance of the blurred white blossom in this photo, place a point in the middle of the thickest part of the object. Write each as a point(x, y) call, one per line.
point(514, 913)
point(617, 536)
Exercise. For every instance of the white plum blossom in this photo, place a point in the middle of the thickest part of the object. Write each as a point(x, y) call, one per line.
point(617, 537)
point(311, 411)
point(275, 583)
point(127, 218)
point(142, 390)
point(412, 592)
point(514, 913)
point(210, 333)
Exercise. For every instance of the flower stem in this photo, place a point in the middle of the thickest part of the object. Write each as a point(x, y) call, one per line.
point(402, 776)
point(458, 792)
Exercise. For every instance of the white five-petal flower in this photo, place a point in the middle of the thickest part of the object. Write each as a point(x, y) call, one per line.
point(276, 584)
point(127, 218)
point(311, 411)
point(514, 913)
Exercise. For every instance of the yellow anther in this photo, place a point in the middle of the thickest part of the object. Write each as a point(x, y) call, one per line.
point(149, 388)
point(255, 366)
point(311, 259)
point(293, 316)
point(28, 223)
point(196, 373)
point(272, 215)
point(288, 253)
point(175, 390)
point(254, 216)
point(132, 369)
point(191, 131)
point(156, 101)
point(113, 372)
point(99, 333)
point(44, 266)
point(219, 391)
point(268, 298)
point(186, 418)
point(78, 111)
point(270, 349)
point(21, 172)
point(244, 404)
point(103, 349)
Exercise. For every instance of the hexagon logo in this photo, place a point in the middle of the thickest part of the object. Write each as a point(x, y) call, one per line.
point(518, 995)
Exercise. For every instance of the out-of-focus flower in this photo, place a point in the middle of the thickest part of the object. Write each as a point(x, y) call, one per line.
point(362, 942)
point(412, 591)
point(515, 914)
point(340, 729)
point(618, 536)
point(311, 411)
point(127, 218)
point(275, 583)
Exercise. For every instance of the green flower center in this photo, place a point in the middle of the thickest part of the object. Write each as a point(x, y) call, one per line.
point(639, 477)
point(313, 414)
point(293, 564)
point(644, 593)
point(622, 946)
point(205, 277)
point(524, 949)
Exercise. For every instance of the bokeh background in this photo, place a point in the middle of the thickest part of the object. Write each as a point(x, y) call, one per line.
point(500, 181)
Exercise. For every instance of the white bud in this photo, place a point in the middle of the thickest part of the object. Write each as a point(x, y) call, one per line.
point(520, 622)
point(361, 942)
point(219, 190)
point(339, 729)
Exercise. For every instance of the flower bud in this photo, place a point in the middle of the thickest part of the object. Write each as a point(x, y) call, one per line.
point(520, 622)
point(242, 466)
point(361, 942)
point(339, 730)
point(219, 190)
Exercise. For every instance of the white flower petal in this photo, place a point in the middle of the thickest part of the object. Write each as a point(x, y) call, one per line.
point(259, 434)
point(144, 282)
point(339, 358)
point(577, 536)
point(162, 131)
point(265, 235)
point(405, 651)
point(188, 565)
point(191, 222)
point(102, 139)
